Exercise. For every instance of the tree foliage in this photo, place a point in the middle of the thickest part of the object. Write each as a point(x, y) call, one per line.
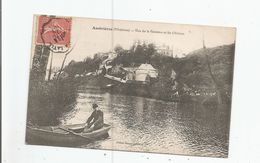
point(190, 70)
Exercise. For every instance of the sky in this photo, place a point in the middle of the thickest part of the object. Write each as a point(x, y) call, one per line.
point(90, 36)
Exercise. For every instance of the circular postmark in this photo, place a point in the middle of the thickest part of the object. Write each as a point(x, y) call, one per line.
point(54, 32)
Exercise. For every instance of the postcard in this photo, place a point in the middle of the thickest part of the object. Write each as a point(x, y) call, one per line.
point(130, 86)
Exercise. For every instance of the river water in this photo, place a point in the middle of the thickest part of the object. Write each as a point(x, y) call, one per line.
point(149, 125)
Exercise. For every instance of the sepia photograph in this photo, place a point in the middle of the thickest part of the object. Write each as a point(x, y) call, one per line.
point(130, 86)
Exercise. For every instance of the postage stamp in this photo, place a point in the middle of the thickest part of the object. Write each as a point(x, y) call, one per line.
point(54, 31)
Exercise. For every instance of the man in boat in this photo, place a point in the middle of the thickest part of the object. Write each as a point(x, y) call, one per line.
point(96, 119)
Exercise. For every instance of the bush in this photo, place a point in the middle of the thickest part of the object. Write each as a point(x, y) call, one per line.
point(47, 101)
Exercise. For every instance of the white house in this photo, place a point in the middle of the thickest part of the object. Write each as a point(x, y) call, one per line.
point(144, 72)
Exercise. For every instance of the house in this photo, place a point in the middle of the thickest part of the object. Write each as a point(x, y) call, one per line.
point(139, 75)
point(130, 73)
point(165, 50)
point(144, 72)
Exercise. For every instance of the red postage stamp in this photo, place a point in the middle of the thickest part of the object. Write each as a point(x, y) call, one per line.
point(54, 30)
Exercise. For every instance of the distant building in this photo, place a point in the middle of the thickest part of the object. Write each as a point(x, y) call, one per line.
point(144, 73)
point(165, 50)
point(109, 57)
point(130, 73)
point(144, 70)
point(106, 63)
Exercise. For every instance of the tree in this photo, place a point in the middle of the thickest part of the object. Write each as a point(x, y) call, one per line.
point(63, 62)
point(151, 50)
point(118, 49)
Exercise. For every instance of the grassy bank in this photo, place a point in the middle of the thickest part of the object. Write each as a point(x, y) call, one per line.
point(48, 100)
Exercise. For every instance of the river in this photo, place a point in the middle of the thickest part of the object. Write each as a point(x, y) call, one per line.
point(149, 125)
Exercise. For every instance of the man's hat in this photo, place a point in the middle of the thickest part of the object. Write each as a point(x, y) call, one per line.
point(94, 105)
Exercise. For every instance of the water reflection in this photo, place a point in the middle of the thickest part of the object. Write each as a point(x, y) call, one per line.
point(149, 125)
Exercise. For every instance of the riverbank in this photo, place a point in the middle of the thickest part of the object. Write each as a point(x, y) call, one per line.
point(194, 77)
point(160, 90)
point(48, 100)
point(156, 91)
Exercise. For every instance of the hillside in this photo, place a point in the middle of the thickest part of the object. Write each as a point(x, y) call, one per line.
point(193, 69)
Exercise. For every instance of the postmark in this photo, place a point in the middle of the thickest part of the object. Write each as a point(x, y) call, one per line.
point(54, 32)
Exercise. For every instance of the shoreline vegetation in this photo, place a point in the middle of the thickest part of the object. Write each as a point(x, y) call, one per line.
point(204, 75)
point(49, 99)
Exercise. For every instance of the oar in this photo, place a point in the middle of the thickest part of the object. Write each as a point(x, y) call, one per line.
point(75, 133)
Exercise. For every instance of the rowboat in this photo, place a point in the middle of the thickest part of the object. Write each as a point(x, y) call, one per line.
point(66, 135)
